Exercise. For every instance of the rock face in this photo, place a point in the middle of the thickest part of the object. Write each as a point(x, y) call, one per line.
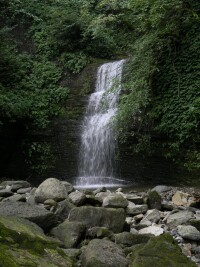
point(113, 219)
point(51, 188)
point(40, 216)
point(160, 251)
point(103, 253)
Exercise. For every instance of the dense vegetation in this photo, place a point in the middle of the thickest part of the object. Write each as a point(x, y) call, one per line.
point(160, 38)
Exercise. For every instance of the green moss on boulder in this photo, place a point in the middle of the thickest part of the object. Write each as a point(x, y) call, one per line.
point(161, 251)
point(23, 243)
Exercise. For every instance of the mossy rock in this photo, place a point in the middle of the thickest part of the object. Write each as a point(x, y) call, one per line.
point(154, 200)
point(23, 243)
point(161, 251)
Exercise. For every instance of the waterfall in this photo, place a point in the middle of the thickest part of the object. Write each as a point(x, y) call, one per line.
point(98, 138)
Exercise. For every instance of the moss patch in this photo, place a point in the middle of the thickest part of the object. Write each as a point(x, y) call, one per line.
point(161, 251)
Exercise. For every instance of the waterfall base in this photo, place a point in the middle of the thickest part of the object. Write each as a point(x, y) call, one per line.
point(97, 182)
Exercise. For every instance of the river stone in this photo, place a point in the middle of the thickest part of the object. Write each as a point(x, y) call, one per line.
point(103, 253)
point(133, 209)
point(15, 197)
point(24, 190)
point(134, 198)
point(152, 215)
point(36, 214)
point(51, 188)
point(115, 201)
point(77, 198)
point(124, 239)
point(160, 251)
point(100, 196)
point(188, 232)
point(161, 188)
point(154, 200)
point(153, 229)
point(113, 219)
point(6, 193)
point(15, 185)
point(195, 222)
point(69, 233)
point(178, 218)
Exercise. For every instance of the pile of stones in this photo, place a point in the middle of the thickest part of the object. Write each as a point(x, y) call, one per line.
point(62, 226)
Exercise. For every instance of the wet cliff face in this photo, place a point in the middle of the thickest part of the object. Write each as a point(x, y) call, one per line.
point(53, 152)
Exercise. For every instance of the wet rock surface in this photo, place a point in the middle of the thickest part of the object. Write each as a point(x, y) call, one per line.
point(160, 227)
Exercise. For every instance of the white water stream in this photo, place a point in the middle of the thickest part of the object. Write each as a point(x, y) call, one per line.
point(98, 139)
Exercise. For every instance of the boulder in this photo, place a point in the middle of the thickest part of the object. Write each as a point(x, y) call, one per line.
point(101, 195)
point(161, 188)
point(6, 192)
point(69, 187)
point(103, 253)
point(124, 239)
point(160, 251)
point(99, 232)
point(15, 197)
point(15, 185)
point(152, 215)
point(134, 198)
point(39, 215)
point(133, 209)
point(188, 232)
point(77, 198)
point(113, 219)
point(153, 229)
point(23, 243)
point(63, 209)
point(51, 188)
point(180, 217)
point(115, 201)
point(182, 199)
point(154, 200)
point(24, 190)
point(69, 233)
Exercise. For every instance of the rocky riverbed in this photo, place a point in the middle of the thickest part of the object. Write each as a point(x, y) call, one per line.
point(55, 225)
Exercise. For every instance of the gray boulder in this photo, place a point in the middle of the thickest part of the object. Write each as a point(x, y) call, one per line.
point(5, 192)
point(124, 239)
point(178, 218)
point(77, 198)
point(152, 215)
point(101, 195)
point(188, 232)
point(51, 188)
point(15, 185)
point(133, 209)
point(99, 232)
point(103, 253)
point(63, 209)
point(36, 214)
point(115, 201)
point(113, 219)
point(69, 233)
point(68, 186)
point(134, 198)
point(161, 188)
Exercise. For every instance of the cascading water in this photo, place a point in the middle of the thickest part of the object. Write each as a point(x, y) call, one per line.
point(98, 137)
